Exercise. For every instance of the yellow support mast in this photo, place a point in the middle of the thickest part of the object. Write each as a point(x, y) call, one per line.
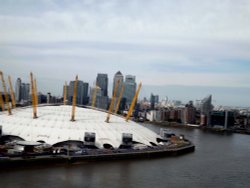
point(12, 93)
point(74, 100)
point(1, 102)
point(112, 101)
point(5, 93)
point(94, 96)
point(131, 108)
point(119, 99)
point(36, 97)
point(33, 96)
point(65, 94)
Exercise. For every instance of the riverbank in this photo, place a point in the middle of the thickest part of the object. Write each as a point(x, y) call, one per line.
point(204, 128)
point(25, 161)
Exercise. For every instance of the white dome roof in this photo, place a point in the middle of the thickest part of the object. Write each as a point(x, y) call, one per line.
point(53, 125)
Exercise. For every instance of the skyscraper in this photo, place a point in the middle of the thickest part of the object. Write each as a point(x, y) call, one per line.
point(153, 101)
point(22, 91)
point(129, 89)
point(118, 76)
point(85, 93)
point(100, 101)
point(206, 108)
point(25, 92)
point(102, 82)
point(18, 90)
point(82, 92)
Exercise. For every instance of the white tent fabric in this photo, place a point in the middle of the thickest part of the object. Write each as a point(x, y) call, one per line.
point(53, 125)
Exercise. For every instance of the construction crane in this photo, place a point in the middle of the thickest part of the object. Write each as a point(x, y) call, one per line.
point(74, 100)
point(5, 93)
point(119, 99)
point(94, 96)
point(12, 93)
point(131, 108)
point(65, 93)
point(112, 101)
point(33, 96)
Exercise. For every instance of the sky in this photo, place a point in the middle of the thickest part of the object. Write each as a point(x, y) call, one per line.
point(181, 43)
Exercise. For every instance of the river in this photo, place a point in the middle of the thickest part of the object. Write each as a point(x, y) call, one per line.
point(220, 160)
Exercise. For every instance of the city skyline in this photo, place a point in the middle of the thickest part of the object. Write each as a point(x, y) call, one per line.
point(163, 43)
point(176, 92)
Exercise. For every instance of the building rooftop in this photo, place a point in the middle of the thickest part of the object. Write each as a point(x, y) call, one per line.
point(53, 125)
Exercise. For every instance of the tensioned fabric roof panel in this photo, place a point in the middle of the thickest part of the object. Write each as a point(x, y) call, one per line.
point(53, 125)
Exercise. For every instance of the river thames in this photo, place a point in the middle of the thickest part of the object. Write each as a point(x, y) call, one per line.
point(220, 160)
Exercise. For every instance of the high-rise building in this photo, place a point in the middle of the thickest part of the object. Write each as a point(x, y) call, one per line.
point(85, 93)
point(25, 92)
point(82, 92)
point(118, 76)
point(206, 108)
point(94, 89)
point(102, 82)
point(18, 90)
point(189, 112)
point(100, 100)
point(223, 119)
point(22, 91)
point(129, 89)
point(152, 101)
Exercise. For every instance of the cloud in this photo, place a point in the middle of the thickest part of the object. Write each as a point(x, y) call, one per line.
point(185, 42)
point(130, 20)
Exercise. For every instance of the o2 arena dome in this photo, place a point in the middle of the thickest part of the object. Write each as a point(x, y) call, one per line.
point(53, 126)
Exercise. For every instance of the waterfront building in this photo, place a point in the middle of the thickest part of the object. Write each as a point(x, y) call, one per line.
point(206, 108)
point(173, 115)
point(165, 114)
point(203, 120)
point(129, 89)
point(154, 115)
point(223, 119)
point(102, 82)
point(189, 112)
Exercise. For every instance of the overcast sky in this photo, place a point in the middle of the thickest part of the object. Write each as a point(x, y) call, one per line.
point(161, 42)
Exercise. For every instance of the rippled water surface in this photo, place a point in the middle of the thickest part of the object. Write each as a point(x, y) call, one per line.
point(219, 161)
